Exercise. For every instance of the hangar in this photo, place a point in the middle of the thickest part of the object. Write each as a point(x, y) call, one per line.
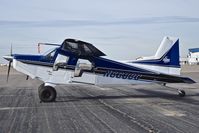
point(193, 56)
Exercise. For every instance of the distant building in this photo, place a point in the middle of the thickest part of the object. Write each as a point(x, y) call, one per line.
point(193, 56)
point(183, 60)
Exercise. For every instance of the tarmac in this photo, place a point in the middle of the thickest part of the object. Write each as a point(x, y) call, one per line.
point(94, 109)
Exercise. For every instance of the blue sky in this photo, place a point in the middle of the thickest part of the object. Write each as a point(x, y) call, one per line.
point(123, 29)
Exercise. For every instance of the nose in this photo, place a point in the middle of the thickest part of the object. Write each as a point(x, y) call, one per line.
point(8, 57)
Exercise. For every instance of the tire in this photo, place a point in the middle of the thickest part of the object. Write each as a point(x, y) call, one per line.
point(47, 94)
point(181, 93)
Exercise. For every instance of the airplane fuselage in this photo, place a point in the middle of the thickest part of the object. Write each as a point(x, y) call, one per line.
point(104, 72)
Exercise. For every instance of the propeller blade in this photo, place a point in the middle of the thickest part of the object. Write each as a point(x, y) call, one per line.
point(11, 50)
point(9, 70)
point(27, 77)
point(9, 58)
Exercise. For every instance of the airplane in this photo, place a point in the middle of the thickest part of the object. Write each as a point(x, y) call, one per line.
point(79, 62)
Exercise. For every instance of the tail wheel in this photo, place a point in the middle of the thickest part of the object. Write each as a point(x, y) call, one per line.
point(47, 94)
point(181, 93)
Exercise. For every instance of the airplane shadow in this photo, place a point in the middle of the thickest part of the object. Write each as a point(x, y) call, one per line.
point(147, 94)
point(173, 97)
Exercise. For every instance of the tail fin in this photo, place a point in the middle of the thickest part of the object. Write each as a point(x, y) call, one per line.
point(166, 59)
point(168, 52)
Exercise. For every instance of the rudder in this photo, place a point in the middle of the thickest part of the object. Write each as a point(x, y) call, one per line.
point(166, 60)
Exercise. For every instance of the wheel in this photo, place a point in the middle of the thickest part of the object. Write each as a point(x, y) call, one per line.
point(181, 93)
point(47, 94)
point(40, 87)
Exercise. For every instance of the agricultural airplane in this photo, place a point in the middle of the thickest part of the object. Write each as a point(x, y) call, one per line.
point(76, 61)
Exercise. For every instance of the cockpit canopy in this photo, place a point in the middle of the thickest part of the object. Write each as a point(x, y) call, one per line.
point(80, 48)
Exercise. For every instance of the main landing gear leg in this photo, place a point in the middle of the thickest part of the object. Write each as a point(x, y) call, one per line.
point(47, 93)
point(181, 93)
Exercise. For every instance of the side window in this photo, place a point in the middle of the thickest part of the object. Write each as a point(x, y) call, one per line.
point(70, 46)
point(87, 50)
point(73, 45)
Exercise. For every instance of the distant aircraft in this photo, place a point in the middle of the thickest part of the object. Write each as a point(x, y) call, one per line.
point(76, 61)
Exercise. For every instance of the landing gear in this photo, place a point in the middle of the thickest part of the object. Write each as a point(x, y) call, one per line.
point(40, 87)
point(181, 93)
point(47, 93)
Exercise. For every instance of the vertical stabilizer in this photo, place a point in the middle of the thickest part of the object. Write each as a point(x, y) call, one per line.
point(166, 59)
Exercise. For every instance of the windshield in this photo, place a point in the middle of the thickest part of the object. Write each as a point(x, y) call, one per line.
point(49, 55)
point(51, 50)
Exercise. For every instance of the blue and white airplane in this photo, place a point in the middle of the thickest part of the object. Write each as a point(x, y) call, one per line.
point(76, 61)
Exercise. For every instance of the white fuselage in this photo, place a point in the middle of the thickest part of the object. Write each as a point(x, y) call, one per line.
point(157, 69)
point(65, 76)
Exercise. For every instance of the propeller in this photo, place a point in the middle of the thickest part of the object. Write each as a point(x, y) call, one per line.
point(9, 58)
point(27, 77)
point(10, 62)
